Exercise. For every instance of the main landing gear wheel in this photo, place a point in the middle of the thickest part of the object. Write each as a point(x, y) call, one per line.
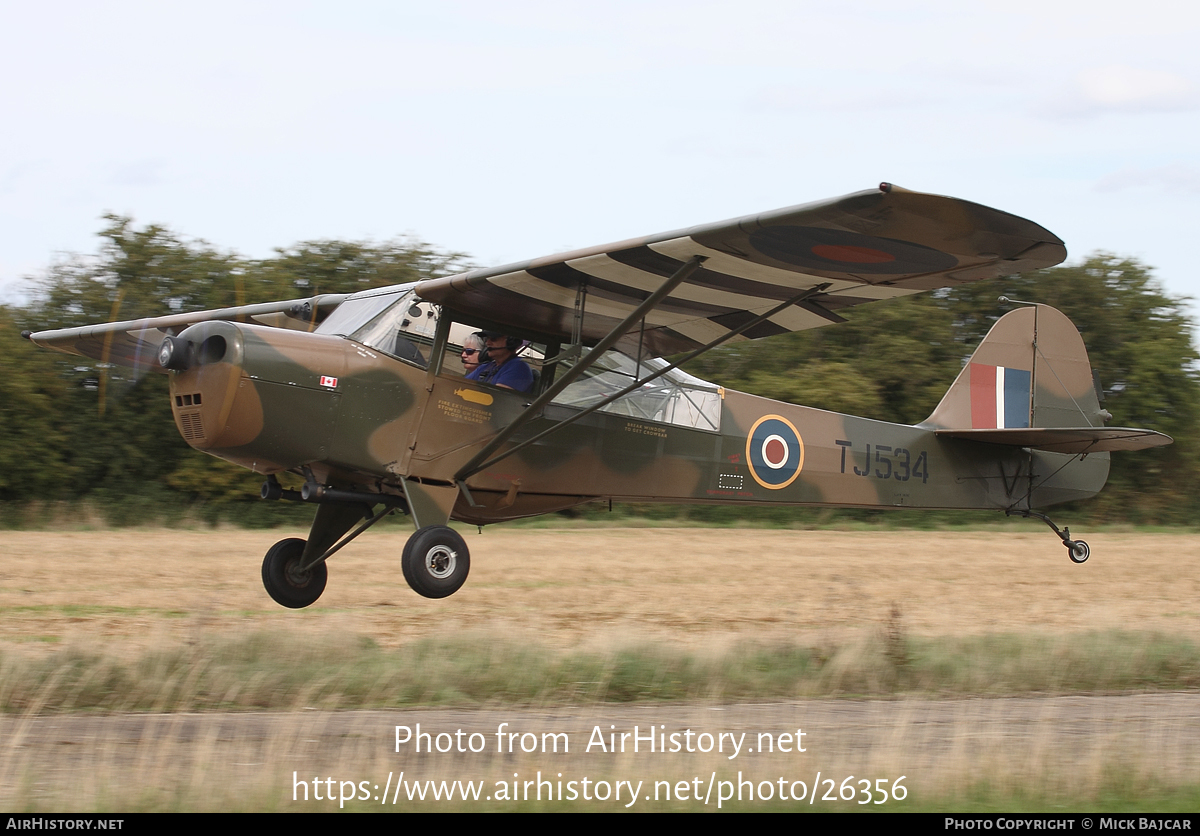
point(284, 581)
point(1078, 551)
point(435, 561)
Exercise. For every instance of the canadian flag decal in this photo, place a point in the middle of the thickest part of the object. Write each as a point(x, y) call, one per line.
point(330, 382)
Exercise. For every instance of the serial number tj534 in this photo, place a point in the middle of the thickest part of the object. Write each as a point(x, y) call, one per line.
point(889, 463)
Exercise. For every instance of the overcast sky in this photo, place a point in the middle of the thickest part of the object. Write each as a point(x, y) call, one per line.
point(509, 130)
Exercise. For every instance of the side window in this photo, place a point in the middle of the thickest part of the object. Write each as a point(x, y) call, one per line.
point(465, 352)
point(674, 398)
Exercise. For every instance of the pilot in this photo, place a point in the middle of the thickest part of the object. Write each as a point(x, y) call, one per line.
point(502, 366)
point(472, 353)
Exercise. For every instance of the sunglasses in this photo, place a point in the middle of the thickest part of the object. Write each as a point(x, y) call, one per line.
point(470, 351)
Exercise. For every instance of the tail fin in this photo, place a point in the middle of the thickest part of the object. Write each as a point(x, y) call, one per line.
point(1029, 384)
point(1031, 370)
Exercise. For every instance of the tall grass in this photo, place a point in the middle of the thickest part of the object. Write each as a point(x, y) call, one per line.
point(965, 755)
point(279, 671)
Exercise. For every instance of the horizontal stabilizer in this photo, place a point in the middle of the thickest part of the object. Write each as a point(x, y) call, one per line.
point(1066, 439)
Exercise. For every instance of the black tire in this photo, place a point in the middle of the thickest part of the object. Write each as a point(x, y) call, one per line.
point(435, 561)
point(283, 583)
point(1080, 552)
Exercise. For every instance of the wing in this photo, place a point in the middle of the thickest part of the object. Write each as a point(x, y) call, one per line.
point(877, 244)
point(135, 342)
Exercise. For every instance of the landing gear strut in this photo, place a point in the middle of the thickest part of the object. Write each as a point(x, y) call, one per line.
point(294, 571)
point(435, 558)
point(1077, 550)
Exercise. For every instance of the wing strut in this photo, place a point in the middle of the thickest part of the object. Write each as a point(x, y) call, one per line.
point(678, 277)
point(470, 470)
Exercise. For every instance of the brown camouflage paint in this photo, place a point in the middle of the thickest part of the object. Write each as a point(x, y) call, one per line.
point(284, 400)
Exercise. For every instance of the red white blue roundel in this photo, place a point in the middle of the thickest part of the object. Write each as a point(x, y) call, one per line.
point(775, 452)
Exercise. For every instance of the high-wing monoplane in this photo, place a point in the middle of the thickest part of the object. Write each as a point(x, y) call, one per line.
point(364, 396)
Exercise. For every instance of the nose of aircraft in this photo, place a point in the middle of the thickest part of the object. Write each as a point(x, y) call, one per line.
point(264, 398)
point(207, 361)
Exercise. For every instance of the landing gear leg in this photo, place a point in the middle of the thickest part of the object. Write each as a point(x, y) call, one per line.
point(1077, 550)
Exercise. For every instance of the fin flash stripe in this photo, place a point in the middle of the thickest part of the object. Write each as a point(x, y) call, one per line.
point(999, 397)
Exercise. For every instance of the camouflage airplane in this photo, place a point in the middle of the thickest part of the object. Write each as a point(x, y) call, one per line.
point(364, 396)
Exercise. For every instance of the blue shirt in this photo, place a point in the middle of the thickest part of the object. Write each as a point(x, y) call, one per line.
point(514, 373)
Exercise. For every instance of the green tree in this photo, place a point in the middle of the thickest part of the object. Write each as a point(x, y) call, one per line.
point(138, 273)
point(119, 419)
point(314, 267)
point(35, 430)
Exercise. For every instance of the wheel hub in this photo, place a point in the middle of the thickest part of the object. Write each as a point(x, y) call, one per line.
point(295, 576)
point(440, 561)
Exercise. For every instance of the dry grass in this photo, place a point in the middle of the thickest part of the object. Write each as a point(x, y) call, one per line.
point(131, 591)
point(699, 594)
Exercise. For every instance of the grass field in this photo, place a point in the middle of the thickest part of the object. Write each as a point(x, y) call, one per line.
point(691, 620)
point(130, 590)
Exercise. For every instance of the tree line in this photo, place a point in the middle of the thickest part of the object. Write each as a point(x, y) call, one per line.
point(71, 430)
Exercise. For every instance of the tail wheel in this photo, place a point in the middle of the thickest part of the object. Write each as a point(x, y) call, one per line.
point(1078, 551)
point(435, 561)
point(284, 581)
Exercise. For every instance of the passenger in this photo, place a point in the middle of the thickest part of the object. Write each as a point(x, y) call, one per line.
point(502, 366)
point(472, 353)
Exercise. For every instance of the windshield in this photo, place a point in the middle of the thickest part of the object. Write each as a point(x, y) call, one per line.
point(354, 313)
point(396, 323)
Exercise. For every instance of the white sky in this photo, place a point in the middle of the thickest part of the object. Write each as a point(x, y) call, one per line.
point(517, 129)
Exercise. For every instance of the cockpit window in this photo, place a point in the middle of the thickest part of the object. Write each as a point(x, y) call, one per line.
point(674, 398)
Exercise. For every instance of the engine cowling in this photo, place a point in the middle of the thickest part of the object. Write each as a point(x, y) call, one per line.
point(264, 398)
